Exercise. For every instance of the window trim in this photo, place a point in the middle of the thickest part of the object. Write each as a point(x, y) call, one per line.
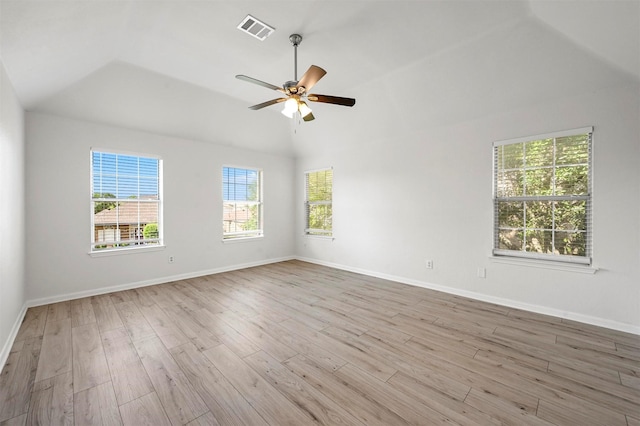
point(126, 250)
point(129, 249)
point(510, 256)
point(246, 235)
point(313, 232)
point(544, 264)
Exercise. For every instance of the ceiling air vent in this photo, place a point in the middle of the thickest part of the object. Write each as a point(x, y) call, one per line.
point(255, 28)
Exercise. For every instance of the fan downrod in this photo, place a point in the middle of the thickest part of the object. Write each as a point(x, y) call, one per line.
point(295, 39)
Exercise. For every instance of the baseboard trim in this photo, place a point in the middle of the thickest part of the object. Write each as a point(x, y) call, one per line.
point(573, 316)
point(146, 283)
point(8, 344)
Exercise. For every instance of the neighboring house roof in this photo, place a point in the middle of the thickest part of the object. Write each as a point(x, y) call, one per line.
point(128, 212)
point(236, 215)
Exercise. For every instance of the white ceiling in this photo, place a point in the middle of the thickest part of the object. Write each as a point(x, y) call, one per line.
point(168, 66)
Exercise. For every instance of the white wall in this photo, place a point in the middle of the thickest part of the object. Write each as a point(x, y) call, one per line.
point(58, 209)
point(12, 228)
point(423, 191)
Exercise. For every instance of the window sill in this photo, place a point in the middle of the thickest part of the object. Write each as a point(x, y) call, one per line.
point(242, 239)
point(121, 251)
point(544, 264)
point(320, 237)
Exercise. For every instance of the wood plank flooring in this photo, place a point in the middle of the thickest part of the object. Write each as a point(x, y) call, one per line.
point(294, 343)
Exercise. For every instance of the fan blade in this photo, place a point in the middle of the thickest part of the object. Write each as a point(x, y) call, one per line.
point(308, 117)
point(259, 83)
point(311, 77)
point(337, 100)
point(268, 103)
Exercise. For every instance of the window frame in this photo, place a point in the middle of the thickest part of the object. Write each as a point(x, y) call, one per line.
point(245, 235)
point(497, 252)
point(313, 232)
point(129, 248)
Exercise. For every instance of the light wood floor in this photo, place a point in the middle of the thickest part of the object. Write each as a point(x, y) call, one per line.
point(295, 344)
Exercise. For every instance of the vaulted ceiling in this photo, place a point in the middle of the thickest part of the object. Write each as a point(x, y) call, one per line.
point(168, 66)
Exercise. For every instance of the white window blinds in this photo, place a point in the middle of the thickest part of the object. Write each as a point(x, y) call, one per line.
point(242, 202)
point(318, 202)
point(125, 201)
point(542, 197)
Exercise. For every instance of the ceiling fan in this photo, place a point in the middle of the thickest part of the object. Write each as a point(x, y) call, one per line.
point(297, 91)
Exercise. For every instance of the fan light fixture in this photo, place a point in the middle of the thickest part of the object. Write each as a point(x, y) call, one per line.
point(304, 109)
point(290, 107)
point(293, 105)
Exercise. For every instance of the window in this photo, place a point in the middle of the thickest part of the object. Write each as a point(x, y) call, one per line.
point(318, 207)
point(242, 203)
point(125, 201)
point(542, 197)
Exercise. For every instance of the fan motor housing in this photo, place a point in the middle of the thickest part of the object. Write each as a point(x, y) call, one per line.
point(290, 87)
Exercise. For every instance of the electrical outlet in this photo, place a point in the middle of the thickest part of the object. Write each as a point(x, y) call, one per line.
point(171, 259)
point(482, 273)
point(429, 264)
